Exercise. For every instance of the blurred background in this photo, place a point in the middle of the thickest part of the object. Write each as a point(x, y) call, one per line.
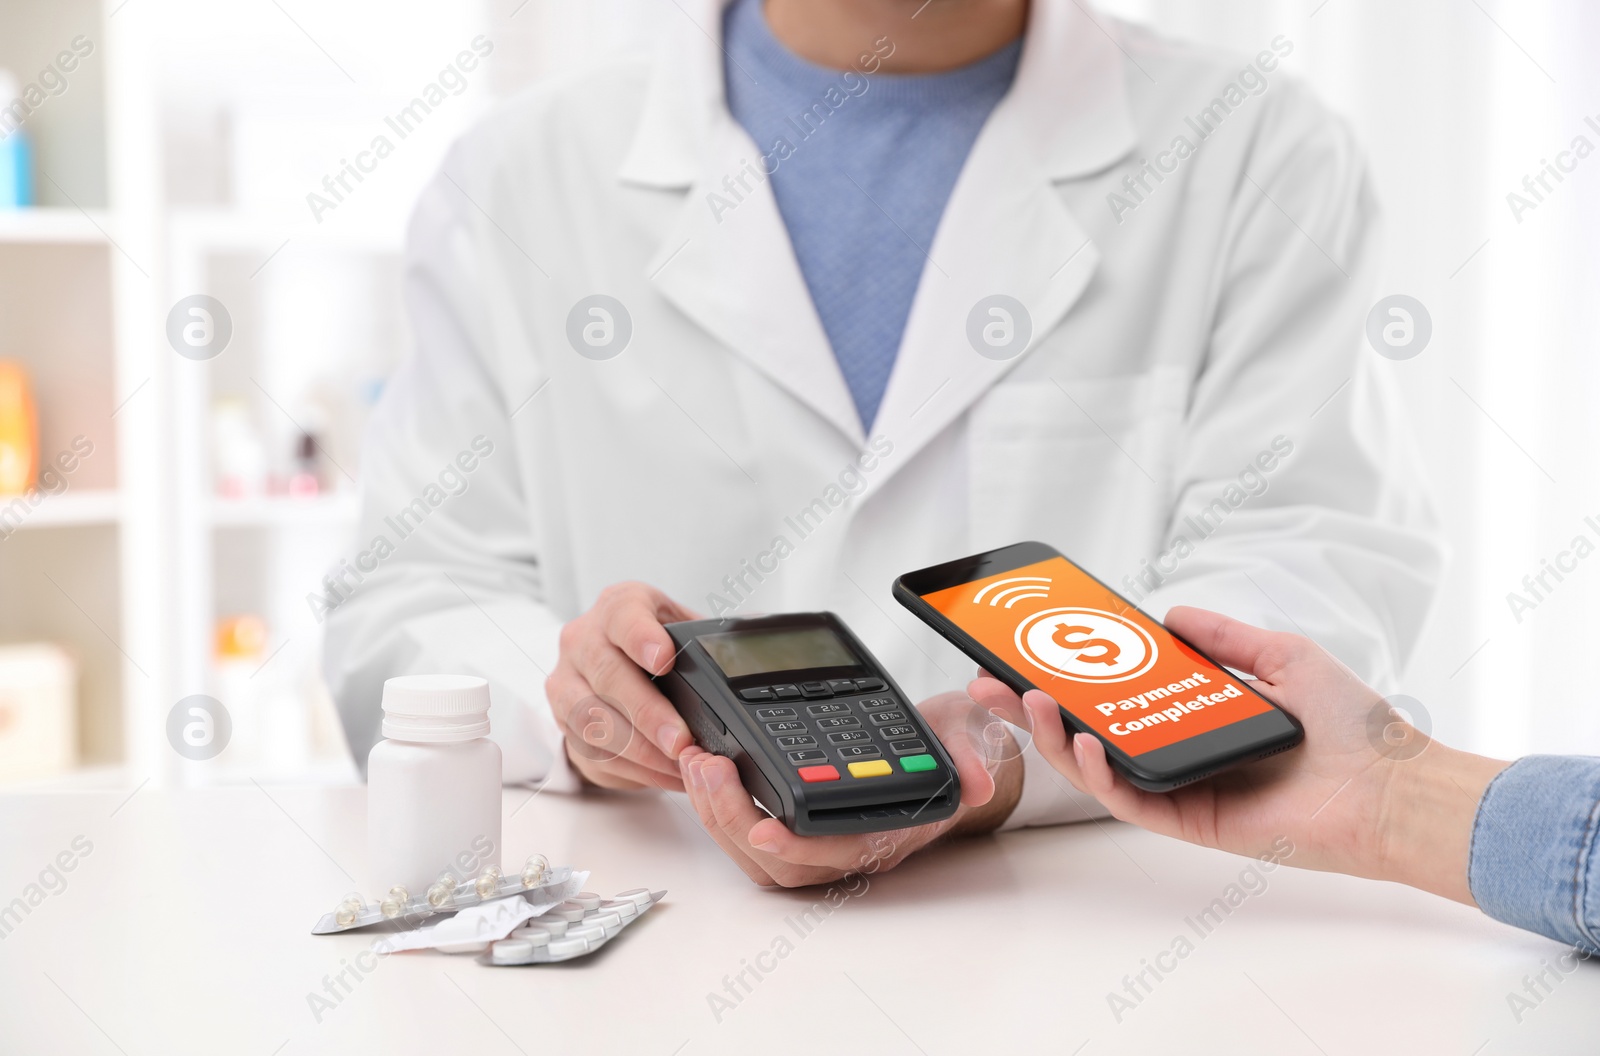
point(164, 519)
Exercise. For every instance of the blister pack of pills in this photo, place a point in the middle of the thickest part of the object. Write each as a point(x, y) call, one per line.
point(474, 928)
point(538, 881)
point(575, 928)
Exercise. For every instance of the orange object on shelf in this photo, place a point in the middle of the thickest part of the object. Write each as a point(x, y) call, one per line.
point(19, 431)
point(240, 637)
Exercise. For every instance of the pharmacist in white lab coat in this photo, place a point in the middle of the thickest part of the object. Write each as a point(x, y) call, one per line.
point(1134, 333)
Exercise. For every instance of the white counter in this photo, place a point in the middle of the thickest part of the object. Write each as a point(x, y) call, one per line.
point(186, 929)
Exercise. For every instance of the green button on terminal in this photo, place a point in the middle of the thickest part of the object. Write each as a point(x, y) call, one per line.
point(912, 764)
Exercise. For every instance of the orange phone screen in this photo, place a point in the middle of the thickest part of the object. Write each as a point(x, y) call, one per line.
point(1118, 671)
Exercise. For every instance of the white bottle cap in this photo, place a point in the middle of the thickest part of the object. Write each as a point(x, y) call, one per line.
point(435, 708)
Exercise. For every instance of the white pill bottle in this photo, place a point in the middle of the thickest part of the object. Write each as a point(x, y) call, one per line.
point(433, 784)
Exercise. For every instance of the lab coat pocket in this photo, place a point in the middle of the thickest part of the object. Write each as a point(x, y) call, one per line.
point(1082, 463)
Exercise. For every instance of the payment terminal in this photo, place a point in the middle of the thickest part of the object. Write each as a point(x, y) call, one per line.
point(822, 737)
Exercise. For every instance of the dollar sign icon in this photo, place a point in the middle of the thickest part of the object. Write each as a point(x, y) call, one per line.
point(1085, 645)
point(1109, 651)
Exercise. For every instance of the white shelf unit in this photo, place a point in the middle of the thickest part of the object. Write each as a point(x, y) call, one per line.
point(177, 160)
point(261, 554)
point(80, 289)
point(70, 509)
point(47, 225)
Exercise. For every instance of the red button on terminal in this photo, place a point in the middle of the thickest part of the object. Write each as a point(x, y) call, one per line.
point(818, 773)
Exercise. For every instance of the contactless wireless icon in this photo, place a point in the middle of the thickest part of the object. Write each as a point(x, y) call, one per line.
point(1021, 589)
point(1086, 645)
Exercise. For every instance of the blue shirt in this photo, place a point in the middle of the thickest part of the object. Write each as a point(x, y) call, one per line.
point(1535, 861)
point(865, 162)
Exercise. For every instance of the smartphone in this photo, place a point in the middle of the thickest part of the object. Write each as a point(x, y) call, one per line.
point(1167, 714)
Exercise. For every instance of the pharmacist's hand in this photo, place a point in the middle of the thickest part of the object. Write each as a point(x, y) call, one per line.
point(620, 731)
point(987, 759)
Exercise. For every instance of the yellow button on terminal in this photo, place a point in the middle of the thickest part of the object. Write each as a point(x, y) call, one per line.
point(871, 768)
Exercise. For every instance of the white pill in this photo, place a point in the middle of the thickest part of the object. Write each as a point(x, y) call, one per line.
point(538, 935)
point(512, 950)
point(585, 931)
point(639, 896)
point(464, 947)
point(568, 911)
point(561, 947)
point(553, 924)
point(586, 899)
point(622, 906)
point(604, 919)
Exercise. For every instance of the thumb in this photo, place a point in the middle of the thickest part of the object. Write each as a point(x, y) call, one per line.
point(972, 767)
point(982, 744)
point(1226, 640)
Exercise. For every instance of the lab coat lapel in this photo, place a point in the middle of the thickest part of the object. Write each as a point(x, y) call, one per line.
point(1005, 230)
point(726, 260)
point(729, 265)
point(1005, 234)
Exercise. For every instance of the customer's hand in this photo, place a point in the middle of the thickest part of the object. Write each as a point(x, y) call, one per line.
point(620, 731)
point(987, 760)
point(1346, 799)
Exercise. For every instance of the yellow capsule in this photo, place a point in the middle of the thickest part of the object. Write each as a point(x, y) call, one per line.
point(348, 911)
point(488, 881)
point(535, 870)
point(392, 906)
point(441, 890)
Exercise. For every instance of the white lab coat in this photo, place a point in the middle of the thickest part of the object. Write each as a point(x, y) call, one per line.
point(1169, 350)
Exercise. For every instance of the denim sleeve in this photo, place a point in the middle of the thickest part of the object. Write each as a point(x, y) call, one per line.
point(1533, 861)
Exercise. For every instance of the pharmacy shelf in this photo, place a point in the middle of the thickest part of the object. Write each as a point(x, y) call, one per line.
point(71, 508)
point(338, 508)
point(93, 778)
point(47, 226)
point(193, 231)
